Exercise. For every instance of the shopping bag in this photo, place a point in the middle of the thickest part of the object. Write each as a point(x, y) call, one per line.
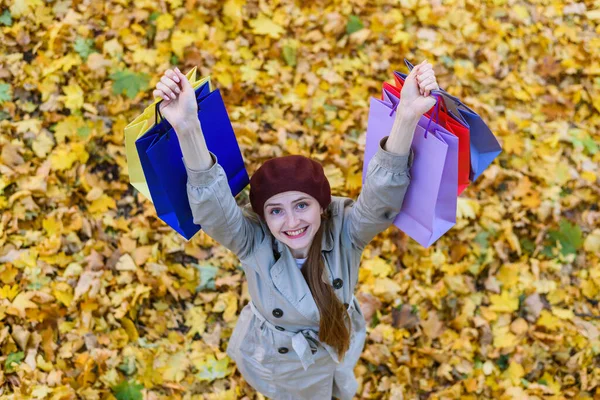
point(165, 170)
point(429, 207)
point(484, 146)
point(140, 125)
point(392, 95)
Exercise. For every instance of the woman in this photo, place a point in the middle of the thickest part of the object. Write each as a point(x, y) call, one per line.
point(303, 331)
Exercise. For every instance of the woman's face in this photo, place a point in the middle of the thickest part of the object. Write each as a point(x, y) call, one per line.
point(293, 218)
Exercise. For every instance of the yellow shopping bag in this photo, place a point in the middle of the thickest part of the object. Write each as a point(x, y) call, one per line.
point(138, 127)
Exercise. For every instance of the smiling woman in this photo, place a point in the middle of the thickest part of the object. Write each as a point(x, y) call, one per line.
point(294, 218)
point(303, 331)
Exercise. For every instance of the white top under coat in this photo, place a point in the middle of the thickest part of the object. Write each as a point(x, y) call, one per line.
point(300, 262)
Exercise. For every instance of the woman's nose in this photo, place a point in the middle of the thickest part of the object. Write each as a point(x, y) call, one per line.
point(292, 220)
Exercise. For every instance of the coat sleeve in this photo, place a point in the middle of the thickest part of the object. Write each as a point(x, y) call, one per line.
point(214, 208)
point(380, 199)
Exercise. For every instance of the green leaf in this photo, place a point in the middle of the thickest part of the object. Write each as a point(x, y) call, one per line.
point(154, 16)
point(502, 362)
point(207, 277)
point(129, 83)
point(174, 60)
point(128, 366)
point(213, 369)
point(527, 245)
point(289, 55)
point(5, 92)
point(128, 390)
point(590, 145)
point(482, 239)
point(569, 236)
point(83, 131)
point(13, 358)
point(354, 24)
point(6, 18)
point(582, 139)
point(84, 47)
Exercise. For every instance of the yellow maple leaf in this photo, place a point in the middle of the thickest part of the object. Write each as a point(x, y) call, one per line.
point(549, 321)
point(353, 179)
point(335, 176)
point(102, 204)
point(467, 208)
point(63, 292)
point(73, 97)
point(146, 56)
point(180, 40)
point(52, 226)
point(227, 302)
point(263, 25)
point(504, 302)
point(513, 144)
point(165, 21)
point(9, 292)
point(232, 9)
point(177, 364)
point(386, 288)
point(65, 155)
point(551, 383)
point(589, 289)
point(508, 275)
point(28, 125)
point(68, 127)
point(21, 303)
point(514, 373)
point(503, 337)
point(378, 267)
point(42, 145)
point(563, 313)
point(195, 318)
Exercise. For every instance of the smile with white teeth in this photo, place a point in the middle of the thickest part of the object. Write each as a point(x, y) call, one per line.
point(295, 233)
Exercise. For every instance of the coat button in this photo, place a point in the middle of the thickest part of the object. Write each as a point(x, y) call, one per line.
point(277, 313)
point(313, 351)
point(283, 350)
point(279, 328)
point(338, 283)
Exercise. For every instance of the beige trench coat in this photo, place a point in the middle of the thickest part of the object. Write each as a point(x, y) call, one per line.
point(275, 341)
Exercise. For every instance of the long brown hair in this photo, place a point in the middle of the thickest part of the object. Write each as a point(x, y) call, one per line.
point(335, 324)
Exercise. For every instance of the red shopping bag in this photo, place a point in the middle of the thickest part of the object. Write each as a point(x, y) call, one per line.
point(454, 127)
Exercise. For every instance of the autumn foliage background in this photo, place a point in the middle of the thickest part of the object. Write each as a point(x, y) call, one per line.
point(99, 299)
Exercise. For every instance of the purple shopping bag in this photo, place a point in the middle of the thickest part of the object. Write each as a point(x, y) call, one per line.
point(429, 207)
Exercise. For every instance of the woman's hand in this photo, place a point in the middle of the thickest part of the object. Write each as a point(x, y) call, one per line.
point(415, 98)
point(179, 99)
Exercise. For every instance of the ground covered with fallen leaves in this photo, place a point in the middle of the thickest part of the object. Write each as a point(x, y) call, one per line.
point(99, 299)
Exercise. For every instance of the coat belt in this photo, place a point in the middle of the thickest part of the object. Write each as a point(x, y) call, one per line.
point(305, 341)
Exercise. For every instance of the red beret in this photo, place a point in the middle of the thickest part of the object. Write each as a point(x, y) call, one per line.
point(288, 173)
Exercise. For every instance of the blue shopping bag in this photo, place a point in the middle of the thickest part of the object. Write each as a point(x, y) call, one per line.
point(162, 161)
point(484, 146)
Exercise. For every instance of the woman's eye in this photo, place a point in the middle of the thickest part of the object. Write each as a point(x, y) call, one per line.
point(302, 204)
point(275, 211)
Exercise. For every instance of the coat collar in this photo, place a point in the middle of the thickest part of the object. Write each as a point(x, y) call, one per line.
point(290, 282)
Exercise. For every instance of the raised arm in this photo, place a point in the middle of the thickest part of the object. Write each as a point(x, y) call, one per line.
point(388, 175)
point(215, 209)
point(212, 203)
